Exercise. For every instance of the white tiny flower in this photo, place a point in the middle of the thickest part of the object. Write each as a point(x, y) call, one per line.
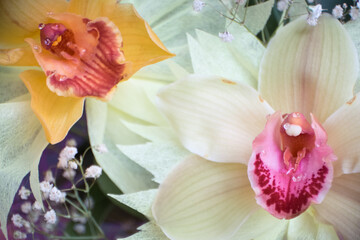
point(337, 11)
point(78, 218)
point(93, 172)
point(344, 6)
point(49, 176)
point(101, 148)
point(63, 197)
point(36, 206)
point(19, 235)
point(72, 165)
point(69, 174)
point(65, 155)
point(354, 13)
point(314, 14)
point(55, 195)
point(17, 220)
point(89, 202)
point(240, 2)
point(282, 5)
point(50, 216)
point(27, 226)
point(198, 5)
point(226, 36)
point(24, 193)
point(310, 1)
point(71, 143)
point(45, 188)
point(79, 228)
point(358, 4)
point(26, 207)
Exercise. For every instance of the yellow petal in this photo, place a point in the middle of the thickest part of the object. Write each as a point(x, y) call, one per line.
point(91, 8)
point(17, 57)
point(141, 46)
point(309, 69)
point(20, 19)
point(56, 114)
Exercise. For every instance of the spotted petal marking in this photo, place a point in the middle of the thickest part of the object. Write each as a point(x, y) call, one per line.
point(284, 193)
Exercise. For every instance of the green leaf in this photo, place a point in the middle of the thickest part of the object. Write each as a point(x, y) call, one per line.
point(140, 201)
point(257, 16)
point(298, 8)
point(158, 158)
point(104, 128)
point(148, 231)
point(352, 28)
point(25, 141)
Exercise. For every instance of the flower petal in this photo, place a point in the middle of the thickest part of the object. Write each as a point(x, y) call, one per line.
point(56, 114)
point(141, 46)
point(344, 137)
point(283, 191)
point(215, 118)
point(17, 57)
point(262, 225)
point(91, 8)
point(309, 69)
point(341, 206)
point(20, 19)
point(201, 199)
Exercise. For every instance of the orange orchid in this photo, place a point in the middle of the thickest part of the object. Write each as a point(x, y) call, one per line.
point(84, 48)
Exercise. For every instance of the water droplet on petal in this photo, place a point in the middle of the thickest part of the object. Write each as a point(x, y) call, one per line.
point(263, 154)
point(63, 78)
point(41, 26)
point(49, 13)
point(55, 27)
point(286, 126)
point(47, 41)
point(37, 48)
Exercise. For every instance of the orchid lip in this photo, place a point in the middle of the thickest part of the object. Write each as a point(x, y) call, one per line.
point(290, 166)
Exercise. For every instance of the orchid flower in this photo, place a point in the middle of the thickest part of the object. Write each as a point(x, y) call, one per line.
point(286, 150)
point(84, 48)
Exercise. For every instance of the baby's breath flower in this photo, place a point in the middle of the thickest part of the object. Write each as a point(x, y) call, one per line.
point(27, 226)
point(69, 174)
point(79, 228)
point(19, 235)
point(93, 172)
point(45, 188)
point(49, 176)
point(310, 1)
point(198, 5)
point(314, 14)
point(63, 197)
point(226, 36)
point(17, 220)
point(55, 195)
point(72, 165)
point(24, 193)
point(89, 202)
point(26, 207)
point(344, 6)
point(337, 11)
point(71, 143)
point(282, 5)
point(78, 218)
point(36, 206)
point(65, 155)
point(50, 216)
point(354, 13)
point(101, 148)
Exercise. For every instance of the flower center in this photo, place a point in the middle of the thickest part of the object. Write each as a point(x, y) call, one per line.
point(80, 57)
point(290, 166)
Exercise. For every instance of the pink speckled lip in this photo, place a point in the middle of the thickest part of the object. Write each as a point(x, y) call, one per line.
point(289, 170)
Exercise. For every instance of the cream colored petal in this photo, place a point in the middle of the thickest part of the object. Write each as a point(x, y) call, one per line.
point(215, 118)
point(343, 132)
point(341, 206)
point(262, 226)
point(203, 200)
point(309, 69)
point(306, 226)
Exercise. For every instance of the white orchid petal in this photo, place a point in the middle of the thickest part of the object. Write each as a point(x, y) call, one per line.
point(343, 132)
point(309, 69)
point(341, 207)
point(203, 200)
point(215, 118)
